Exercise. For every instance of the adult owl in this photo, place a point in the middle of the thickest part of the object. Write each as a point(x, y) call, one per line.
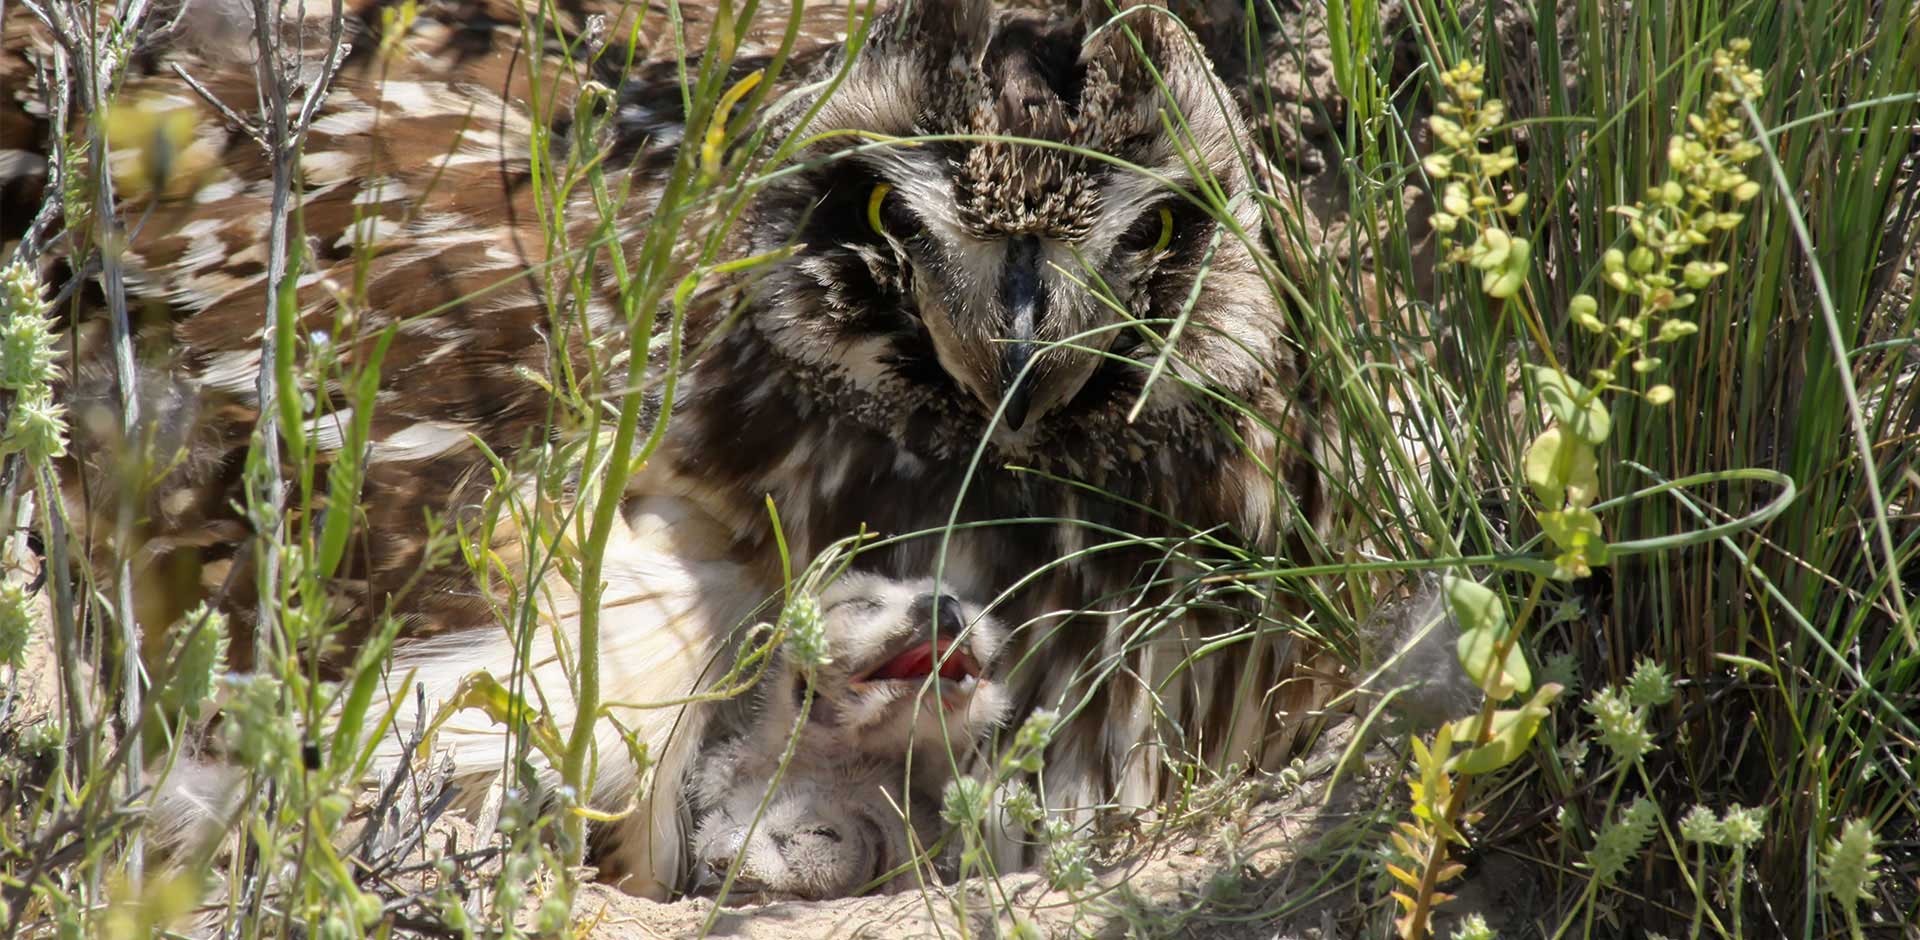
point(1015, 313)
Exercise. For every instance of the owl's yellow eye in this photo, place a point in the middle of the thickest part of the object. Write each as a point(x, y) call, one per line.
point(1150, 233)
point(874, 202)
point(1166, 230)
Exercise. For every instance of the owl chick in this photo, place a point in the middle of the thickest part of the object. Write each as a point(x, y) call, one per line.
point(903, 698)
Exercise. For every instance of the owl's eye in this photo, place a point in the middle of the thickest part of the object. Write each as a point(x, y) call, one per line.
point(888, 215)
point(1151, 233)
point(1166, 230)
point(875, 203)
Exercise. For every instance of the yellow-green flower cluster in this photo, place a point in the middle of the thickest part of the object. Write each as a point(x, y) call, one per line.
point(201, 660)
point(1741, 828)
point(1472, 200)
point(806, 632)
point(1621, 725)
point(1029, 750)
point(965, 802)
point(1069, 867)
point(1847, 865)
point(16, 624)
point(1474, 927)
point(1650, 685)
point(1021, 804)
point(1744, 826)
point(258, 730)
point(1620, 842)
point(1653, 279)
point(35, 427)
point(1704, 184)
point(1700, 825)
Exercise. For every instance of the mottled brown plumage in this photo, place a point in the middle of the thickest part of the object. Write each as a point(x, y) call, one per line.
point(885, 379)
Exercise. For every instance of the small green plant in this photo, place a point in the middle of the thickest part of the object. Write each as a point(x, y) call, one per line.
point(35, 427)
point(1848, 870)
point(1737, 831)
point(1652, 283)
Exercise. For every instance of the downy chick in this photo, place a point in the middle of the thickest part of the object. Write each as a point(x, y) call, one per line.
point(904, 698)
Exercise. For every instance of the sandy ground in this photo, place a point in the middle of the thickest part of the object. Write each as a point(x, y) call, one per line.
point(1271, 868)
point(1294, 857)
point(1267, 859)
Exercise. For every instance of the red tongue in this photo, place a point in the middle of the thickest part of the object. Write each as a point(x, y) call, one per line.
point(958, 666)
point(917, 663)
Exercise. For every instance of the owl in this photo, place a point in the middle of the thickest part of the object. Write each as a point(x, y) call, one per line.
point(1015, 316)
point(904, 682)
point(963, 348)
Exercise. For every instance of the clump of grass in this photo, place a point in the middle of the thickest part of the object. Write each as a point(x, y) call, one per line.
point(1756, 540)
point(1655, 285)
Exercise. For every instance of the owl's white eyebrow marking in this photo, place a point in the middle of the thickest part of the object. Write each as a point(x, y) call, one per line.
point(877, 97)
point(921, 180)
point(1128, 194)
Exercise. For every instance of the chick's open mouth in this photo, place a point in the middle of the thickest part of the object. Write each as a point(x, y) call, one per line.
point(921, 660)
point(958, 672)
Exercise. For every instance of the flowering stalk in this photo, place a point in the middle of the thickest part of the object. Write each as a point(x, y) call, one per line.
point(1847, 870)
point(34, 433)
point(1477, 222)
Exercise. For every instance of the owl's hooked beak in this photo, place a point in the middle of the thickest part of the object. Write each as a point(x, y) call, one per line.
point(1025, 301)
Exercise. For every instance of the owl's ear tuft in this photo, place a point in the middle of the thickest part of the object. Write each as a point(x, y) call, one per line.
point(1109, 22)
point(939, 29)
point(1096, 12)
point(1114, 27)
point(1175, 29)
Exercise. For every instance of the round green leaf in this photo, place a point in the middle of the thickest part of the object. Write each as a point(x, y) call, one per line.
point(1505, 279)
point(1513, 729)
point(1499, 680)
point(1561, 469)
point(1473, 605)
point(1562, 395)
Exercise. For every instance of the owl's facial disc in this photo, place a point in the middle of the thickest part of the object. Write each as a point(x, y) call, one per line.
point(989, 262)
point(1006, 320)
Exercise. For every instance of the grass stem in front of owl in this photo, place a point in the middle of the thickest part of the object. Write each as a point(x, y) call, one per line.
point(646, 288)
point(798, 629)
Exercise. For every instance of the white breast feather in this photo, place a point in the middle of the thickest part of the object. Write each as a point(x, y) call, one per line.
point(671, 600)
